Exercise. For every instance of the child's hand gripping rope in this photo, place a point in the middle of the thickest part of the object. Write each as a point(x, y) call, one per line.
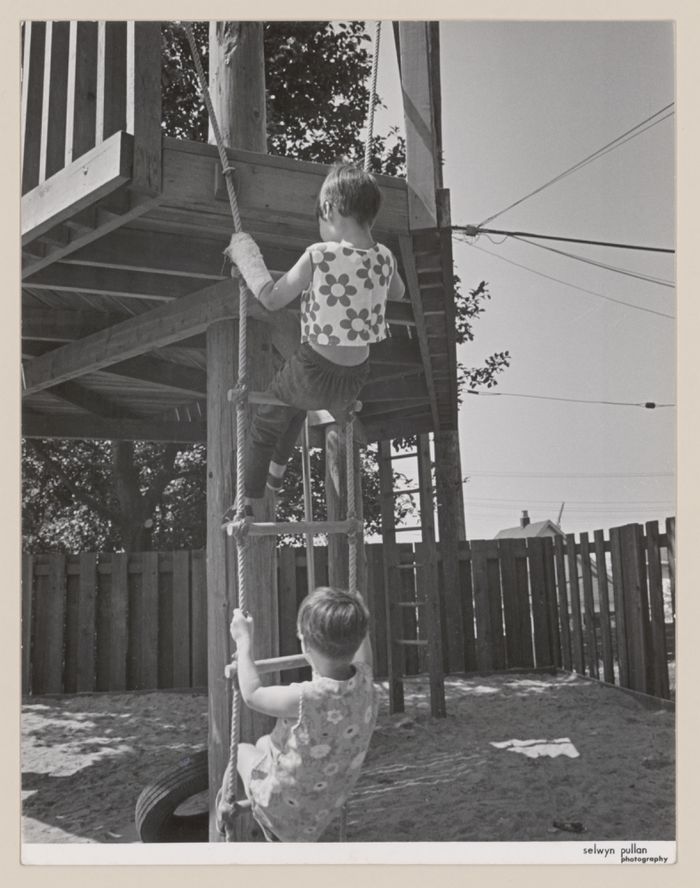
point(245, 255)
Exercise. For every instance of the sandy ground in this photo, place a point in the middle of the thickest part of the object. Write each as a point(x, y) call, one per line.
point(85, 759)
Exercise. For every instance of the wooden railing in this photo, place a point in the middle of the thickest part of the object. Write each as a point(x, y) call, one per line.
point(600, 605)
point(82, 82)
point(90, 123)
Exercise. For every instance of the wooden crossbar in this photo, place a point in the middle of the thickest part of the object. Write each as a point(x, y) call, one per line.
point(272, 528)
point(265, 398)
point(272, 664)
point(412, 642)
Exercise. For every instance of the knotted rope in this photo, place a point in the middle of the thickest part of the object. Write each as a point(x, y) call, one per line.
point(226, 800)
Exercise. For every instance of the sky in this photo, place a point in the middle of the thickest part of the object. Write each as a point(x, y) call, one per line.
point(523, 102)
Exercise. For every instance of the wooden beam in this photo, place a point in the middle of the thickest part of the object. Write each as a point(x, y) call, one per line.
point(187, 381)
point(160, 326)
point(67, 278)
point(31, 101)
point(263, 181)
point(82, 90)
point(414, 291)
point(53, 125)
point(97, 428)
point(64, 326)
point(80, 396)
point(96, 174)
point(143, 105)
point(149, 251)
point(422, 155)
point(111, 77)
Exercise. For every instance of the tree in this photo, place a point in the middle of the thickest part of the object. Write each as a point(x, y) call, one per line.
point(111, 495)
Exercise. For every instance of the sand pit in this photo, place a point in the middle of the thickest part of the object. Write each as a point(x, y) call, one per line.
point(85, 759)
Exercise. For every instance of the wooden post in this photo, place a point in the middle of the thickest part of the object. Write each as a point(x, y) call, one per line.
point(392, 580)
point(450, 509)
point(143, 105)
point(236, 71)
point(427, 579)
point(337, 507)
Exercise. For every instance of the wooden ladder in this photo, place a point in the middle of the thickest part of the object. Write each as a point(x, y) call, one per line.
point(427, 579)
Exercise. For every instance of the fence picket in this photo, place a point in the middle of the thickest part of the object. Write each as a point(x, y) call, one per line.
point(513, 638)
point(634, 607)
point(588, 607)
point(538, 598)
point(656, 606)
point(181, 630)
point(551, 597)
point(576, 627)
point(28, 613)
point(619, 599)
point(375, 602)
point(671, 553)
point(117, 637)
point(564, 627)
point(604, 606)
point(118, 622)
point(198, 602)
point(47, 672)
point(467, 597)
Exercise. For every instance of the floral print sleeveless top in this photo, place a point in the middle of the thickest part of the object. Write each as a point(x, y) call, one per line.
point(345, 303)
point(311, 765)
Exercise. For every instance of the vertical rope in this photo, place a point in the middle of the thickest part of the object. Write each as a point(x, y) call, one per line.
point(308, 508)
point(372, 96)
point(228, 790)
point(350, 483)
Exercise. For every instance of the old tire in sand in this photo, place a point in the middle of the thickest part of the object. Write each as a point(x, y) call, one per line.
point(156, 815)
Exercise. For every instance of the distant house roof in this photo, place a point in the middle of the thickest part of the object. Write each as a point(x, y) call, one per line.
point(533, 529)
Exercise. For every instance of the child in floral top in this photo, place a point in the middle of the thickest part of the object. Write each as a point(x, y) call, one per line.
point(345, 281)
point(299, 776)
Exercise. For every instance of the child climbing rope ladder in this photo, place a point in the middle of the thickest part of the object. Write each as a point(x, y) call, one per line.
point(345, 281)
point(298, 777)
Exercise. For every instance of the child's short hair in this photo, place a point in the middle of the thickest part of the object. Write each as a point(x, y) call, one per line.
point(352, 191)
point(333, 622)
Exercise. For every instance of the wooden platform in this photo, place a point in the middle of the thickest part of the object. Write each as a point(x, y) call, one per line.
point(120, 283)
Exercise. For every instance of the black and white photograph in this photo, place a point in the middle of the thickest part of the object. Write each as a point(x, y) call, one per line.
point(348, 440)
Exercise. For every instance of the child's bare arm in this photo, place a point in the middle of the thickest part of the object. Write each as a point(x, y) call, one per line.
point(274, 700)
point(276, 295)
point(245, 254)
point(397, 288)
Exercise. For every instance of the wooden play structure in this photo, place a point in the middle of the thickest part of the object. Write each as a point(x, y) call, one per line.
point(129, 320)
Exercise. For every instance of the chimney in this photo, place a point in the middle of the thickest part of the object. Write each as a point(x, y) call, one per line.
point(525, 519)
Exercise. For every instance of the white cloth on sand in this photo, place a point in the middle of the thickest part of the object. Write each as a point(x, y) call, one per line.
point(538, 748)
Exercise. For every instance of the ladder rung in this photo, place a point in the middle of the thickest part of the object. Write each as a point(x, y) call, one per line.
point(410, 566)
point(275, 528)
point(273, 664)
point(411, 603)
point(406, 529)
point(412, 642)
point(265, 398)
point(403, 455)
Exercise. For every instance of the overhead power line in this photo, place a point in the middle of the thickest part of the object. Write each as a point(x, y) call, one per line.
point(473, 231)
point(632, 133)
point(569, 475)
point(549, 277)
point(627, 272)
point(648, 405)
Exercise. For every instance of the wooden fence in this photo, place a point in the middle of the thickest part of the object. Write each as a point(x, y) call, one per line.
point(601, 606)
